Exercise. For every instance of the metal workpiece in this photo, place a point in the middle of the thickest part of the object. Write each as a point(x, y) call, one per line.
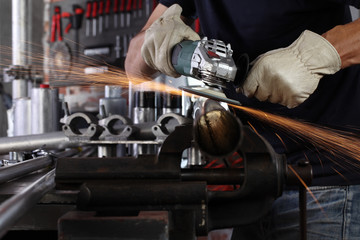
point(217, 132)
point(45, 109)
point(81, 127)
point(16, 206)
point(47, 141)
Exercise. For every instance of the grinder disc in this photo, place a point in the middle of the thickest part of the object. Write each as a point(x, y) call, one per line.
point(210, 93)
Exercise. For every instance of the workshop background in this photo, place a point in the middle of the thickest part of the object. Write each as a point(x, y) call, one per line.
point(53, 55)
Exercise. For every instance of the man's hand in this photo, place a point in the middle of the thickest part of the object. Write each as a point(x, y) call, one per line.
point(162, 36)
point(289, 75)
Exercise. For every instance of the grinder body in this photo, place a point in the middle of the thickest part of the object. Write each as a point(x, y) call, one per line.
point(210, 61)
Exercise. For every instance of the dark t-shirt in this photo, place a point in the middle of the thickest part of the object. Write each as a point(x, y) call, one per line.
point(255, 27)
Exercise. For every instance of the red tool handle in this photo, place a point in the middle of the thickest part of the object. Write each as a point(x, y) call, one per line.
point(94, 9)
point(53, 29)
point(101, 7)
point(79, 11)
point(58, 25)
point(128, 6)
point(122, 5)
point(68, 27)
point(107, 7)
point(140, 4)
point(116, 6)
point(65, 15)
point(134, 6)
point(88, 10)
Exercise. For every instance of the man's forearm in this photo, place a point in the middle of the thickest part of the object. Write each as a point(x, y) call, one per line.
point(346, 40)
point(135, 66)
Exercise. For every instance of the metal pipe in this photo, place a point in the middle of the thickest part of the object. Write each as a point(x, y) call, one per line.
point(53, 140)
point(16, 206)
point(44, 110)
point(217, 133)
point(17, 170)
point(20, 10)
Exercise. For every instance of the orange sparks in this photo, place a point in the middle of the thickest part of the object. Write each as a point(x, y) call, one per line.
point(338, 143)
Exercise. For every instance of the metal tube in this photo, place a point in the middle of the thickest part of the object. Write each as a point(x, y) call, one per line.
point(16, 170)
point(20, 9)
point(16, 206)
point(217, 133)
point(53, 140)
point(44, 110)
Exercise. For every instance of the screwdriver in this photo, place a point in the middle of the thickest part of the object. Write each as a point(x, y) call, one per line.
point(134, 8)
point(140, 8)
point(101, 13)
point(147, 8)
point(122, 10)
point(94, 16)
point(88, 18)
point(107, 13)
point(128, 12)
point(115, 10)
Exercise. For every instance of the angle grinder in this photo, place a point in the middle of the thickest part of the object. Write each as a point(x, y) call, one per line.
point(210, 61)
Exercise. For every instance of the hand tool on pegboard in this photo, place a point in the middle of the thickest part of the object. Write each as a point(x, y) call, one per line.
point(88, 18)
point(122, 13)
point(75, 22)
point(116, 12)
point(107, 13)
point(134, 8)
point(140, 10)
point(56, 25)
point(94, 16)
point(128, 13)
point(101, 15)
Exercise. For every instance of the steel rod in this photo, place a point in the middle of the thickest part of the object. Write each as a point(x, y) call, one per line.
point(19, 169)
point(16, 206)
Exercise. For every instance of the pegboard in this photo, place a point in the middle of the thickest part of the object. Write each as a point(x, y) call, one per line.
point(91, 35)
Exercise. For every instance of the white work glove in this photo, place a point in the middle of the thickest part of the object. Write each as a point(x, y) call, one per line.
point(162, 36)
point(289, 75)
